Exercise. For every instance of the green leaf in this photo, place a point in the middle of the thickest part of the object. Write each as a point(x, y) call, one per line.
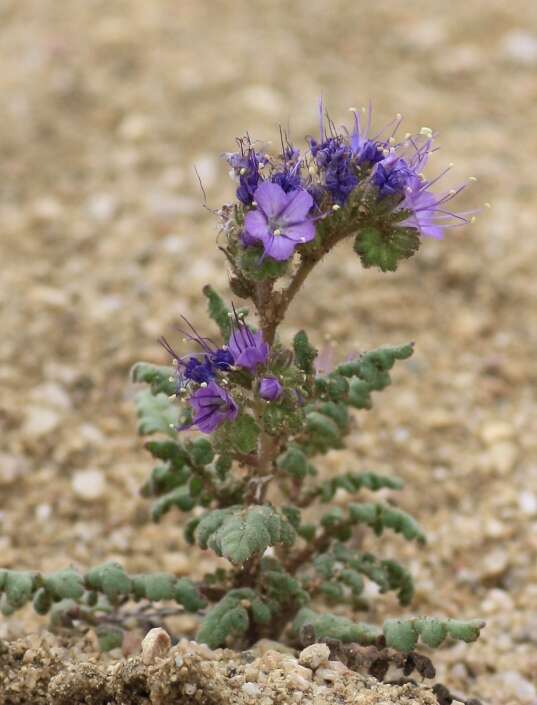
point(323, 432)
point(380, 517)
point(305, 353)
point(155, 414)
point(201, 451)
point(187, 594)
point(243, 433)
point(109, 637)
point(432, 631)
point(246, 532)
point(158, 586)
point(180, 498)
point(164, 479)
point(218, 311)
point(109, 578)
point(65, 584)
point(385, 248)
point(172, 451)
point(294, 462)
point(18, 588)
point(400, 635)
point(227, 619)
point(334, 627)
point(260, 268)
point(42, 601)
point(464, 630)
point(161, 379)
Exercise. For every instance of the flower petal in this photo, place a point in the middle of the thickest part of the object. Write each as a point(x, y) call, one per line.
point(270, 198)
point(298, 206)
point(301, 232)
point(279, 247)
point(255, 225)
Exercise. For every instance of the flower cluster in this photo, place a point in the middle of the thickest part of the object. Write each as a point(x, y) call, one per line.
point(205, 373)
point(284, 200)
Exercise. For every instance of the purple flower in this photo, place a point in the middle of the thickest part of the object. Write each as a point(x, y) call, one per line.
point(393, 176)
point(270, 389)
point(248, 349)
point(365, 150)
point(212, 406)
point(199, 367)
point(427, 212)
point(246, 166)
point(334, 160)
point(197, 370)
point(280, 221)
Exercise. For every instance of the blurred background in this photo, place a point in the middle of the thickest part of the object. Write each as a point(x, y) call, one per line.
point(106, 108)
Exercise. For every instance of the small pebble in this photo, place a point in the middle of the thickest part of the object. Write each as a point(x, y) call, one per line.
point(156, 644)
point(88, 484)
point(313, 656)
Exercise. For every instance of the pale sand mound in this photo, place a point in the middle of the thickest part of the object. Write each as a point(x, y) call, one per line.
point(189, 673)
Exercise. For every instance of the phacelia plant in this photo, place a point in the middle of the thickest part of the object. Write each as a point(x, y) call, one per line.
point(242, 419)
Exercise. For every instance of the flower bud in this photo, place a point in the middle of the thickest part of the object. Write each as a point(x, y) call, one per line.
point(270, 389)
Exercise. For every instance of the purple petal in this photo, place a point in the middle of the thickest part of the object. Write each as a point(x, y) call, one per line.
point(301, 232)
point(298, 206)
point(251, 358)
point(271, 198)
point(255, 225)
point(279, 247)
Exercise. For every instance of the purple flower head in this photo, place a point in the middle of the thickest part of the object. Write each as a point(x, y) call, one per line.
point(212, 406)
point(280, 222)
point(202, 366)
point(246, 165)
point(364, 149)
point(393, 176)
point(198, 370)
point(270, 389)
point(334, 160)
point(289, 178)
point(248, 348)
point(427, 211)
point(222, 359)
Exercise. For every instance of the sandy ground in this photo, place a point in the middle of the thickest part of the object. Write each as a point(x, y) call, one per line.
point(106, 107)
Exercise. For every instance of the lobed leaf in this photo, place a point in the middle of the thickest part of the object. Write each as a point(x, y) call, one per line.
point(161, 379)
point(155, 414)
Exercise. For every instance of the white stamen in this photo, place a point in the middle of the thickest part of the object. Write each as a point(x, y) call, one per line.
point(254, 203)
point(426, 132)
point(336, 207)
point(451, 164)
point(277, 231)
point(392, 140)
point(408, 135)
point(172, 396)
point(473, 219)
point(472, 178)
point(353, 110)
point(203, 385)
point(242, 171)
point(398, 116)
point(230, 315)
point(302, 239)
point(171, 379)
point(224, 347)
point(487, 205)
point(171, 425)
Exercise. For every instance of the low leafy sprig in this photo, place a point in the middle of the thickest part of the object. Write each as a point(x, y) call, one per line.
point(239, 421)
